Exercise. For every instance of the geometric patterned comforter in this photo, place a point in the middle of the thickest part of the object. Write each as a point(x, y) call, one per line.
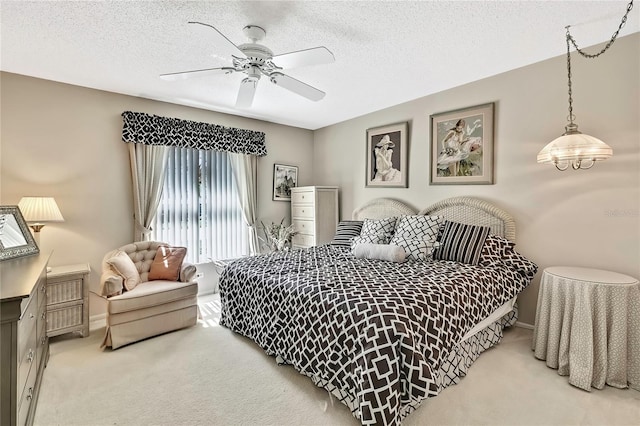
point(373, 333)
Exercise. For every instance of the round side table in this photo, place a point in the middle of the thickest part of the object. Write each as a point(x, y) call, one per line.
point(588, 326)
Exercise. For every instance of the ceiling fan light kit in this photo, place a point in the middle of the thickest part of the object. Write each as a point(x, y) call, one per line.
point(256, 60)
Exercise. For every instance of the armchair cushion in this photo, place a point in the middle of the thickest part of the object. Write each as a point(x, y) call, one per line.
point(124, 266)
point(167, 263)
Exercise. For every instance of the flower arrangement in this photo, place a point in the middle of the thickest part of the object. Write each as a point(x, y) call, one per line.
point(278, 236)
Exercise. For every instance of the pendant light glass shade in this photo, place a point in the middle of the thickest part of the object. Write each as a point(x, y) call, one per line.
point(574, 148)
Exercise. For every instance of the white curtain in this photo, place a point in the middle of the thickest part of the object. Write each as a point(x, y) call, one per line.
point(245, 172)
point(148, 165)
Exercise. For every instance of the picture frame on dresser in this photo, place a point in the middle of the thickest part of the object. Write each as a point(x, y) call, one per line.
point(386, 157)
point(284, 178)
point(15, 238)
point(462, 146)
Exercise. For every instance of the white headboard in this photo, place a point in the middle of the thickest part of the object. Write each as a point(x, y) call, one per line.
point(379, 208)
point(469, 210)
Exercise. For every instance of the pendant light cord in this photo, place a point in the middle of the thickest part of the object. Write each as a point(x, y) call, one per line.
point(572, 127)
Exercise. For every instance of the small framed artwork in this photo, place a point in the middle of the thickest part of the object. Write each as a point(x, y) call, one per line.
point(284, 178)
point(462, 146)
point(387, 156)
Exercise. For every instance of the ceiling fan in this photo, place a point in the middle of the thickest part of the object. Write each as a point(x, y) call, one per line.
point(256, 60)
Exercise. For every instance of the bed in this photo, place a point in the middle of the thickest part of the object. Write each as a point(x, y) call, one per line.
point(380, 336)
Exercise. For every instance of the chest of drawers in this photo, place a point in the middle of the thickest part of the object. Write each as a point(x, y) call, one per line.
point(314, 214)
point(24, 346)
point(68, 300)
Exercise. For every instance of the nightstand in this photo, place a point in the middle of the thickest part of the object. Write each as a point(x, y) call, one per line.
point(68, 299)
point(588, 326)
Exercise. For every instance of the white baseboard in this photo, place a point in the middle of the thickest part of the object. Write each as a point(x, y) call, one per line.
point(523, 325)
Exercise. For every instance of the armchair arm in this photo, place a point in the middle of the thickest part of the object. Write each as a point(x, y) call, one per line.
point(111, 284)
point(188, 272)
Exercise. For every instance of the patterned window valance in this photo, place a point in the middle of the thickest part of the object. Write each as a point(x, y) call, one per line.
point(149, 129)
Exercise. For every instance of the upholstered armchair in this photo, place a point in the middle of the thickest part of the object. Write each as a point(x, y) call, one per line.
point(149, 291)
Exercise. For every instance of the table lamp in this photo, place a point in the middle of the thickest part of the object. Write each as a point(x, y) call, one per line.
point(38, 210)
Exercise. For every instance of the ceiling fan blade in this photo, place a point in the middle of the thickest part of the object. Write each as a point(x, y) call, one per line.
point(196, 73)
point(224, 47)
point(301, 58)
point(246, 92)
point(296, 86)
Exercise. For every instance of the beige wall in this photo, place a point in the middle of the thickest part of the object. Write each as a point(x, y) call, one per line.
point(585, 217)
point(65, 141)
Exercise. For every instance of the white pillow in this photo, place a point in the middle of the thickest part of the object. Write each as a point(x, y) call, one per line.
point(388, 252)
point(124, 266)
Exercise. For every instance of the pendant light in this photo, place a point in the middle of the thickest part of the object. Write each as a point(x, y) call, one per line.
point(574, 148)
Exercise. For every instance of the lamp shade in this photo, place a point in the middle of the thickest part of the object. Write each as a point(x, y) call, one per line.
point(574, 148)
point(40, 209)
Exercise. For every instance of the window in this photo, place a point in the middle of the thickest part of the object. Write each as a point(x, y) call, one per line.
point(199, 208)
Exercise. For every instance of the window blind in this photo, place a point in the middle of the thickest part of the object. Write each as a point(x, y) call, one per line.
point(199, 208)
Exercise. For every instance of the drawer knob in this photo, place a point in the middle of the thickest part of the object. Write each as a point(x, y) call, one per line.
point(302, 210)
point(31, 316)
point(30, 356)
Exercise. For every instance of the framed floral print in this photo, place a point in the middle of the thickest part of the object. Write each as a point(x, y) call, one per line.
point(387, 156)
point(462, 146)
point(284, 178)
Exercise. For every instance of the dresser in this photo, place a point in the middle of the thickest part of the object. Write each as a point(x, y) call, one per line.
point(24, 346)
point(314, 214)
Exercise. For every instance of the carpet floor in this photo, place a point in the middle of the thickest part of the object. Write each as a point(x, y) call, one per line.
point(207, 375)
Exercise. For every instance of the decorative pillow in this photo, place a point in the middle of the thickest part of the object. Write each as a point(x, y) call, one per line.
point(494, 250)
point(388, 252)
point(124, 266)
point(369, 239)
point(167, 262)
point(345, 232)
point(520, 263)
point(379, 226)
point(419, 227)
point(461, 243)
point(417, 235)
point(416, 249)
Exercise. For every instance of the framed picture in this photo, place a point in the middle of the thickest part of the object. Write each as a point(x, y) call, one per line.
point(387, 156)
point(15, 238)
point(284, 178)
point(462, 146)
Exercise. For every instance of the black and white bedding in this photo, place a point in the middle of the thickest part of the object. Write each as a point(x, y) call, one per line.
point(380, 336)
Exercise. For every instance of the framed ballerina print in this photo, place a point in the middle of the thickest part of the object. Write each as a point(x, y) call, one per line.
point(462, 146)
point(387, 156)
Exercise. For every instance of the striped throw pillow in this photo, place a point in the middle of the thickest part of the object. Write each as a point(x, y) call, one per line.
point(461, 243)
point(346, 230)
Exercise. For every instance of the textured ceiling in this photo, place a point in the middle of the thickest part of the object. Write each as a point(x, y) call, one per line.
point(386, 52)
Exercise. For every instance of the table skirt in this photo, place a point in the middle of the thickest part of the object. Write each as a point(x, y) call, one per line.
point(589, 332)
